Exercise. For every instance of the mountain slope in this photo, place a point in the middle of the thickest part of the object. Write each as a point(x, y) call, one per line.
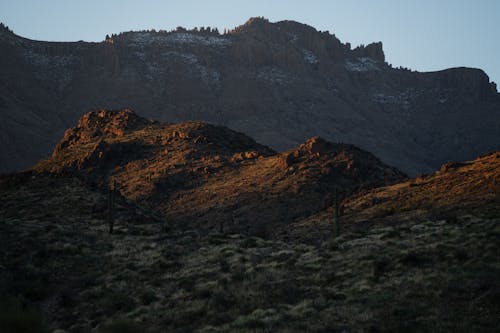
point(457, 189)
point(202, 175)
point(280, 83)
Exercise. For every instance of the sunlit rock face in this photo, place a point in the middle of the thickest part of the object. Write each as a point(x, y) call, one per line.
point(280, 83)
point(198, 174)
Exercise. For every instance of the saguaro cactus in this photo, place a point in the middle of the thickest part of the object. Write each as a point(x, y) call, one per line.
point(111, 206)
point(337, 211)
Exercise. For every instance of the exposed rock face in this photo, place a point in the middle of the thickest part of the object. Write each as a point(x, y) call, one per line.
point(280, 83)
point(101, 123)
point(200, 174)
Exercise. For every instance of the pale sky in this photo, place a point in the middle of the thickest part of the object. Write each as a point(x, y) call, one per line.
point(422, 35)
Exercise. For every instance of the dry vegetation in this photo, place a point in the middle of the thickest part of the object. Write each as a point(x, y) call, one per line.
point(434, 275)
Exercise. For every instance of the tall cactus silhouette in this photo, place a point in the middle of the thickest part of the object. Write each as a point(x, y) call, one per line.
point(111, 206)
point(338, 212)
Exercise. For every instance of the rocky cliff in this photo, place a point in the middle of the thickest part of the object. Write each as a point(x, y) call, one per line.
point(280, 83)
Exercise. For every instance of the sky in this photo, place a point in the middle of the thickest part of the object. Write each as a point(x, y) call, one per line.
point(423, 35)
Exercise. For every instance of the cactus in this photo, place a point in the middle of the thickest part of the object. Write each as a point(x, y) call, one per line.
point(338, 212)
point(111, 206)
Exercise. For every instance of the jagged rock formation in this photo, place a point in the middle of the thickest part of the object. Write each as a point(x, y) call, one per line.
point(280, 83)
point(197, 174)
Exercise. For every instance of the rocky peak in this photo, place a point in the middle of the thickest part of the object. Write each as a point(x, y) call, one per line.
point(473, 80)
point(5, 33)
point(374, 51)
point(5, 29)
point(315, 145)
point(337, 160)
point(252, 24)
point(115, 122)
point(99, 124)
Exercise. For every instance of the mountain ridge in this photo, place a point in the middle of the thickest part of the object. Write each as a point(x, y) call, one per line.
point(280, 83)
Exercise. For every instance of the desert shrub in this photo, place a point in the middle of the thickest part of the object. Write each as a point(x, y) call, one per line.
point(414, 259)
point(461, 254)
point(67, 299)
point(258, 319)
point(380, 266)
point(16, 317)
point(187, 283)
point(239, 275)
point(385, 211)
point(224, 265)
point(115, 301)
point(36, 289)
point(250, 242)
point(189, 315)
point(148, 297)
point(122, 326)
point(222, 300)
point(393, 233)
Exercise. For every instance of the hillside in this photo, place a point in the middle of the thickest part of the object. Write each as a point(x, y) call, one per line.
point(197, 174)
point(457, 189)
point(148, 276)
point(280, 83)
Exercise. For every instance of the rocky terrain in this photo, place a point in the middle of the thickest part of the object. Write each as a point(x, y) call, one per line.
point(280, 83)
point(458, 188)
point(200, 174)
point(413, 255)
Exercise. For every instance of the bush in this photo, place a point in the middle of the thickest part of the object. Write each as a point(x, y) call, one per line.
point(16, 317)
point(148, 297)
point(117, 301)
point(122, 326)
point(380, 266)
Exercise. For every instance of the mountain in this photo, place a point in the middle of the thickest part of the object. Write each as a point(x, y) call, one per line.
point(200, 175)
point(280, 83)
